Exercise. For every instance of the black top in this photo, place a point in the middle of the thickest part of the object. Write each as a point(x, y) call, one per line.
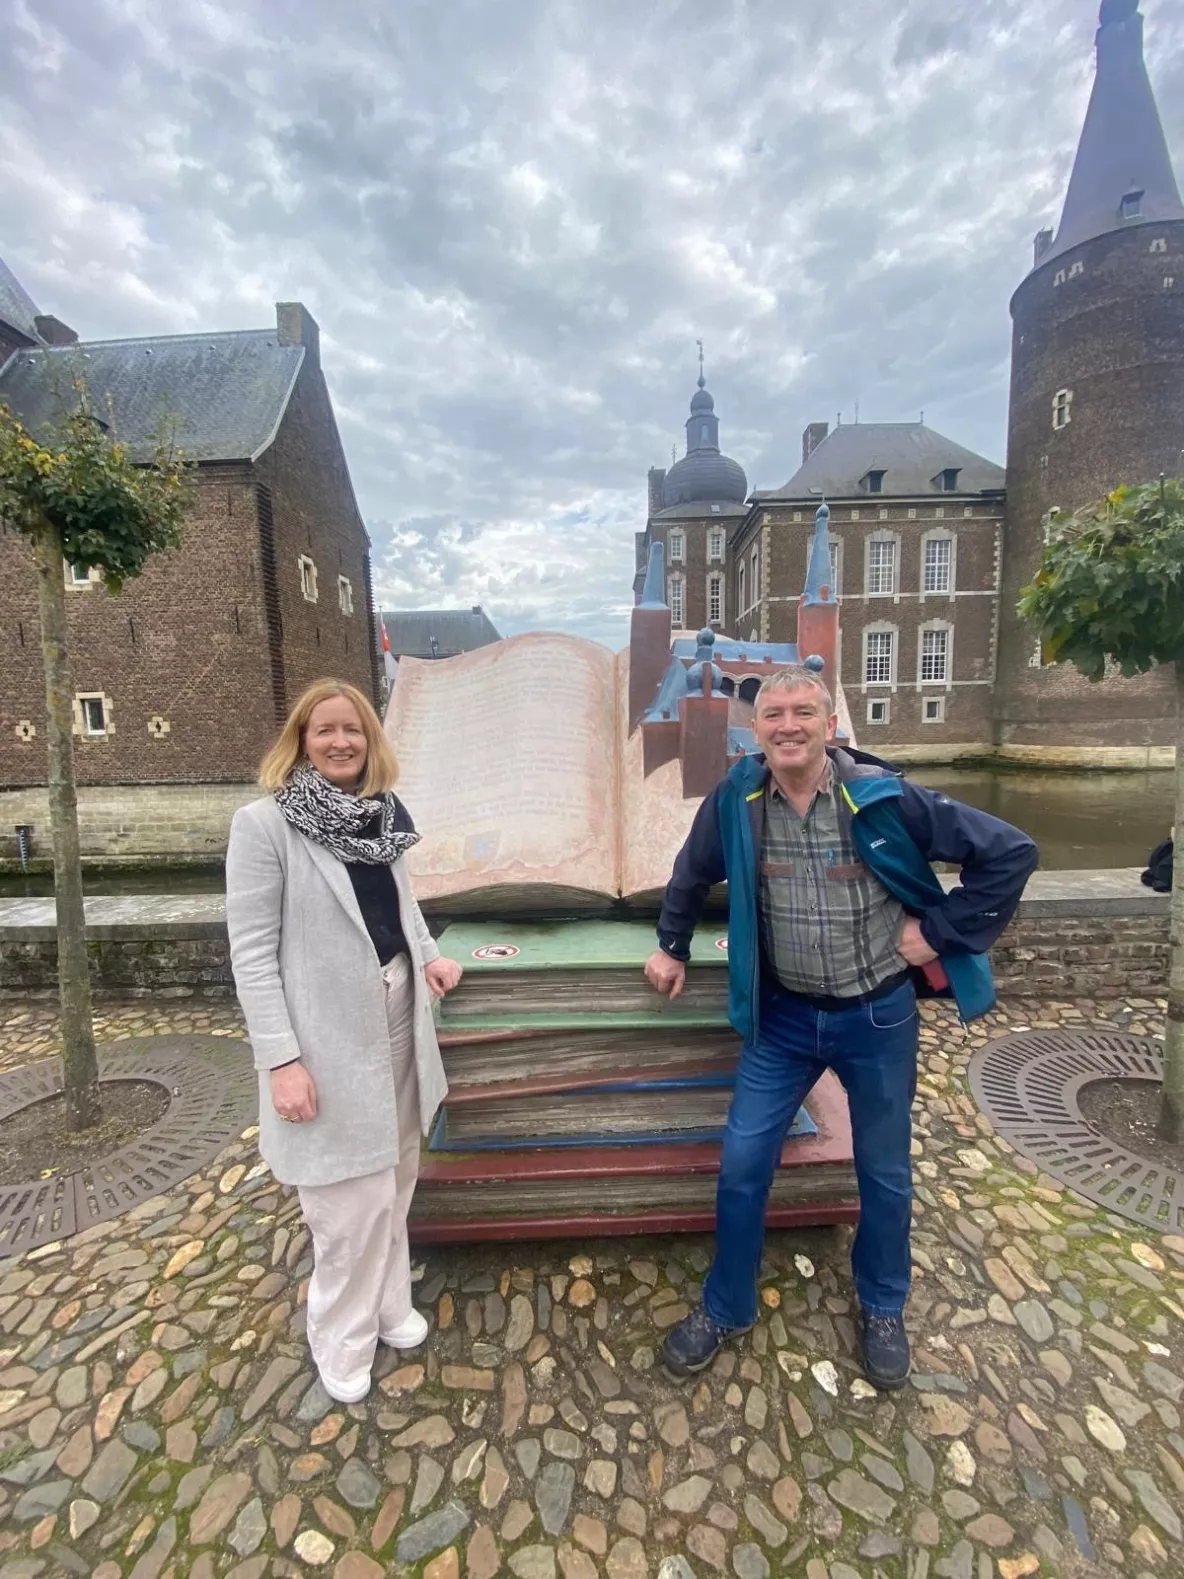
point(377, 896)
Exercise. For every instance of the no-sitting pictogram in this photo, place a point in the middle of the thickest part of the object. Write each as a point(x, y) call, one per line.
point(496, 951)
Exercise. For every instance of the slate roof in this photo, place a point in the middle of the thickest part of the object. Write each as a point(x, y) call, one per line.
point(707, 508)
point(411, 631)
point(1123, 148)
point(17, 307)
point(221, 395)
point(908, 453)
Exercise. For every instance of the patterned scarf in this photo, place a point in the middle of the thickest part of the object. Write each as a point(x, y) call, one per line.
point(344, 823)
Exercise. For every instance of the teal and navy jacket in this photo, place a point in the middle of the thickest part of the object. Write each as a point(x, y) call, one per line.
point(898, 828)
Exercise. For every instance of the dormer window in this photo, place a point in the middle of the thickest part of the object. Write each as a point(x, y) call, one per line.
point(947, 480)
point(873, 481)
point(1131, 204)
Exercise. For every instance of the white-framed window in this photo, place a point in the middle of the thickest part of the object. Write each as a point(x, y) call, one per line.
point(755, 575)
point(1160, 244)
point(715, 598)
point(879, 656)
point(879, 710)
point(933, 658)
point(80, 576)
point(933, 709)
point(715, 543)
point(678, 547)
point(741, 587)
point(881, 566)
point(1076, 270)
point(676, 597)
point(1062, 403)
point(308, 578)
point(345, 595)
point(937, 563)
point(92, 715)
point(835, 544)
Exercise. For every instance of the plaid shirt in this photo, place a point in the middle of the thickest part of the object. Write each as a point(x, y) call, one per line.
point(829, 928)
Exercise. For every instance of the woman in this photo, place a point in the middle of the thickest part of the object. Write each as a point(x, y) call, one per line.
point(335, 971)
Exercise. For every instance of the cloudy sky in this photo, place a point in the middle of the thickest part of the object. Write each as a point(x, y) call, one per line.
point(513, 219)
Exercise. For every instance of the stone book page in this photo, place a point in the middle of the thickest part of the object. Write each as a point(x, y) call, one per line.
point(653, 819)
point(508, 766)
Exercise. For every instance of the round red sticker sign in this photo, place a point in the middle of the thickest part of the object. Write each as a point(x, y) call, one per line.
point(722, 943)
point(496, 951)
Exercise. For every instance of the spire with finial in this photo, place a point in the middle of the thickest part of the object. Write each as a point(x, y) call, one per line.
point(818, 577)
point(702, 380)
point(1122, 174)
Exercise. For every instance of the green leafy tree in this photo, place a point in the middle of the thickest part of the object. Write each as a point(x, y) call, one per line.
point(78, 496)
point(1110, 588)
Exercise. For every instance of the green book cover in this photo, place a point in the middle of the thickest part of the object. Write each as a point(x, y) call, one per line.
point(496, 947)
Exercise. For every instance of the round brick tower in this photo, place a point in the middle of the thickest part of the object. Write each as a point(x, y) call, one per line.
point(1097, 395)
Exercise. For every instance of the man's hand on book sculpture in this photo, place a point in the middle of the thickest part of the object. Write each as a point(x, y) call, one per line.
point(668, 975)
point(442, 975)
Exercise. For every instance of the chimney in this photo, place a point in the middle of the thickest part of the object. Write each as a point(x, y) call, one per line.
point(657, 478)
point(295, 325)
point(812, 438)
point(53, 331)
point(1041, 245)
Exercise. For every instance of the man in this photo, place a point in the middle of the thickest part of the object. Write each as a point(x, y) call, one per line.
point(834, 911)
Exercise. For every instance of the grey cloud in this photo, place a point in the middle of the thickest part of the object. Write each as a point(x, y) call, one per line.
point(513, 217)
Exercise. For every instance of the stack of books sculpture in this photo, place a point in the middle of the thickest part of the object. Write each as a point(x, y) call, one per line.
point(581, 1101)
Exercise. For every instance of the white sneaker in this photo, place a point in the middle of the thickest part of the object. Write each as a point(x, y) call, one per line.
point(351, 1392)
point(409, 1334)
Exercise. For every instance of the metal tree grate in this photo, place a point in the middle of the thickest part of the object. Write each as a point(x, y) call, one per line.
point(1028, 1085)
point(213, 1098)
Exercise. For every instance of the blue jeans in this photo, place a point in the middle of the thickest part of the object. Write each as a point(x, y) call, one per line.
point(872, 1048)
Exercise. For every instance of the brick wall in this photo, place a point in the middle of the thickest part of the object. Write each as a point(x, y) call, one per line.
point(184, 643)
point(1039, 956)
point(317, 517)
point(1112, 334)
point(144, 822)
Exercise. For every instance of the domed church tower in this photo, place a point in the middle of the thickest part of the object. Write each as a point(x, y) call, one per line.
point(693, 510)
point(1097, 395)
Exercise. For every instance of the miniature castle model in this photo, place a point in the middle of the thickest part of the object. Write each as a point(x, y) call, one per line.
point(692, 700)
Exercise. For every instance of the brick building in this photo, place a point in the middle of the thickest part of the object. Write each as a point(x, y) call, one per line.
point(915, 524)
point(931, 544)
point(1097, 388)
point(182, 679)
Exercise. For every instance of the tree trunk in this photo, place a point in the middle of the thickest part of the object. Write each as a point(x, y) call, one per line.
point(1171, 1111)
point(79, 1062)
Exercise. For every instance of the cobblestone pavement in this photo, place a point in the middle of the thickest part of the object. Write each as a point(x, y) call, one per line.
point(159, 1418)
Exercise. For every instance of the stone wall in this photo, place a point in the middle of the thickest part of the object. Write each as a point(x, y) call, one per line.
point(1078, 935)
point(172, 823)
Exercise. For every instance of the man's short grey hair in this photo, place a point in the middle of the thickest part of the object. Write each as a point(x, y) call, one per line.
point(792, 679)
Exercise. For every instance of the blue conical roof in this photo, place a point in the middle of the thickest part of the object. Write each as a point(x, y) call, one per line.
point(1123, 171)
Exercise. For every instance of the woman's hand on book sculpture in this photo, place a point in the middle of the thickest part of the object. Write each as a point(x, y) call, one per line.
point(442, 975)
point(667, 975)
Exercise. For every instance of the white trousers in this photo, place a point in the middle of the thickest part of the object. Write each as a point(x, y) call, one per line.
point(361, 1279)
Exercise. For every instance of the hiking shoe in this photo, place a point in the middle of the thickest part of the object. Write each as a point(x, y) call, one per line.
point(691, 1346)
point(884, 1345)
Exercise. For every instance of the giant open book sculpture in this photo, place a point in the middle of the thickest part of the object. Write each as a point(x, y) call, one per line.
point(550, 776)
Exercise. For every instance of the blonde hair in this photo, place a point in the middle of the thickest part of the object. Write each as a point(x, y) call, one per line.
point(382, 769)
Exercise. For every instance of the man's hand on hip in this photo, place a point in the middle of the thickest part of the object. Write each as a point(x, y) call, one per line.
point(912, 945)
point(668, 976)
